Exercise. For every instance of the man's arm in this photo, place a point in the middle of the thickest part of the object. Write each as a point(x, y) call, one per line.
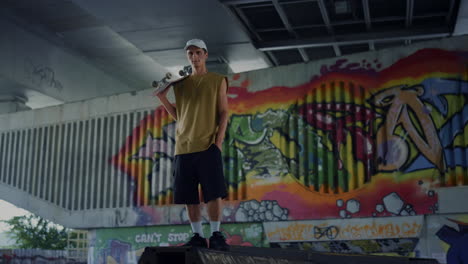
point(169, 107)
point(223, 112)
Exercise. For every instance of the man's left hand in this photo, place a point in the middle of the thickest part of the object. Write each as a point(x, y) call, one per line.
point(220, 146)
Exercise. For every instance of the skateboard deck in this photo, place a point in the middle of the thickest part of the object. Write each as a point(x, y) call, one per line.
point(164, 84)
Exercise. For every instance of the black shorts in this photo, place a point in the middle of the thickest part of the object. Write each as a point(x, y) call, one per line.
point(204, 168)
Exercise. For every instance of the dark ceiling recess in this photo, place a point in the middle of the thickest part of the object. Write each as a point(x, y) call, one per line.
point(294, 31)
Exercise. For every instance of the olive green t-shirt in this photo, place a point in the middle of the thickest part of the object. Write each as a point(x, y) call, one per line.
point(197, 112)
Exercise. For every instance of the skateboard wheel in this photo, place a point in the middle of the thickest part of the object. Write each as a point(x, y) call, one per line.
point(168, 75)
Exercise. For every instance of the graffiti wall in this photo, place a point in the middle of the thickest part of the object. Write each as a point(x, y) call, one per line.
point(441, 237)
point(396, 235)
point(358, 138)
point(125, 245)
point(446, 239)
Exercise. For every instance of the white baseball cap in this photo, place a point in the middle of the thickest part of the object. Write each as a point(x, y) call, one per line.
point(197, 43)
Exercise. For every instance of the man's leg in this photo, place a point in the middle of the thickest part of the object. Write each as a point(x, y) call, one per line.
point(217, 240)
point(194, 215)
point(186, 192)
point(214, 190)
point(194, 212)
point(214, 214)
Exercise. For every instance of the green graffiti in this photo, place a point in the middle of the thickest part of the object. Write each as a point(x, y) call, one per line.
point(125, 245)
point(276, 143)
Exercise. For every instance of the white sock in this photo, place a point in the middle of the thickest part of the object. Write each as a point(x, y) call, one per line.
point(197, 228)
point(214, 226)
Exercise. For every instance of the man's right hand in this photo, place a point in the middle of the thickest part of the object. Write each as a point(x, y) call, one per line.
point(161, 94)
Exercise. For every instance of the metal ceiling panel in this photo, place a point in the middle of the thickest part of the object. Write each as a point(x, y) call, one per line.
point(320, 53)
point(275, 35)
point(422, 7)
point(385, 8)
point(387, 25)
point(429, 21)
point(355, 48)
point(311, 32)
point(285, 57)
point(355, 28)
point(303, 13)
point(352, 12)
point(263, 17)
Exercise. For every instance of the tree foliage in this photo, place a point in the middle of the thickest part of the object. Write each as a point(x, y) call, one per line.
point(32, 231)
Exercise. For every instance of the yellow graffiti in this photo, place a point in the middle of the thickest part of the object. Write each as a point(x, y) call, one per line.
point(354, 167)
point(288, 147)
point(376, 230)
point(462, 139)
point(294, 232)
point(306, 232)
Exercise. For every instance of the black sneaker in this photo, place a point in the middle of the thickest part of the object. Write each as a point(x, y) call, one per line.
point(196, 241)
point(218, 242)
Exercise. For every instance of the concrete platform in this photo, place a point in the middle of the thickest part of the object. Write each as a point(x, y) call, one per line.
point(255, 255)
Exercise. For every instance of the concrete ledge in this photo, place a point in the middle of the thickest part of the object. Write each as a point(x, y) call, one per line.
point(453, 200)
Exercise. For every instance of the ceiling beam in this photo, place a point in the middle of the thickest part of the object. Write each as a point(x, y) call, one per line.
point(326, 19)
point(337, 50)
point(283, 17)
point(451, 10)
point(367, 17)
point(246, 26)
point(356, 39)
point(247, 23)
point(409, 12)
point(273, 58)
point(372, 45)
point(288, 26)
point(304, 55)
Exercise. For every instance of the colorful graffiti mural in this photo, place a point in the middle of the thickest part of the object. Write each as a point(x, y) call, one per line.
point(125, 245)
point(356, 140)
point(387, 247)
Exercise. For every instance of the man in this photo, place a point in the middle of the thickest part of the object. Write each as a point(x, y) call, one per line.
point(201, 113)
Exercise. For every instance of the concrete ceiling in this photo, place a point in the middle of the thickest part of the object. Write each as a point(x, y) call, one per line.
point(138, 41)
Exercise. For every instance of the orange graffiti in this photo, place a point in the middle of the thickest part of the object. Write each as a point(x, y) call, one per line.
point(401, 101)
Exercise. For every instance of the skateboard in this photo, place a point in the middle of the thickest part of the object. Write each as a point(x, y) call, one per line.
point(168, 80)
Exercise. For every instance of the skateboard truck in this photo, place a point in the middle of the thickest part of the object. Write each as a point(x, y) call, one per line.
point(165, 81)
